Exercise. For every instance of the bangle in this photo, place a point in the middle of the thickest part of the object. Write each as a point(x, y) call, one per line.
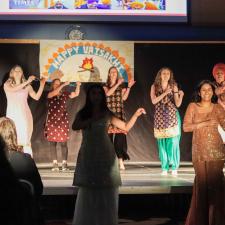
point(128, 87)
point(176, 92)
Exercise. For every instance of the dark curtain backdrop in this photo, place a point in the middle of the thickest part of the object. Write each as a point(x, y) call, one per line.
point(207, 12)
point(190, 62)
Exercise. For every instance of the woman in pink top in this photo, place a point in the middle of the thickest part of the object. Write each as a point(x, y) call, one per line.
point(17, 90)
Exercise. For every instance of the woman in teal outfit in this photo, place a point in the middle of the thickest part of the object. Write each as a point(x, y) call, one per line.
point(167, 123)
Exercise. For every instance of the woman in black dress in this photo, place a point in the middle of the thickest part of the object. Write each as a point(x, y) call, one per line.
point(116, 95)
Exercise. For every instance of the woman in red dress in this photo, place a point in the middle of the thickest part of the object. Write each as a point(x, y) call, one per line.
point(57, 122)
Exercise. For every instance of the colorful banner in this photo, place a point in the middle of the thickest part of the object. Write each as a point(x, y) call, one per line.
point(89, 4)
point(27, 4)
point(85, 61)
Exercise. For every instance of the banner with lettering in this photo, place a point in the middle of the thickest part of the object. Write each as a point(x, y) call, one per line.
point(85, 61)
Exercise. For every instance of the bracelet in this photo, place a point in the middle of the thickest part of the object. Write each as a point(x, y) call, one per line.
point(176, 92)
point(128, 87)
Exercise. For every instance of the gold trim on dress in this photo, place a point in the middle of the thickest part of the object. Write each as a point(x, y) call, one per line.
point(167, 133)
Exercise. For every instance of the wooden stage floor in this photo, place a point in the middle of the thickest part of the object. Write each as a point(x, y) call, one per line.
point(138, 178)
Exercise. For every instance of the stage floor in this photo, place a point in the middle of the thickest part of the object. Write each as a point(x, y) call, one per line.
point(138, 178)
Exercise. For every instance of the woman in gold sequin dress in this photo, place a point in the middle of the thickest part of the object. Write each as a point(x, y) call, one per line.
point(208, 154)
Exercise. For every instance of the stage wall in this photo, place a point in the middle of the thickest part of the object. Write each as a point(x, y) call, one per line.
point(191, 62)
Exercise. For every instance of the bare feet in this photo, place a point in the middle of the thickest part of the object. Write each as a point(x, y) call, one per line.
point(174, 173)
point(121, 164)
point(164, 173)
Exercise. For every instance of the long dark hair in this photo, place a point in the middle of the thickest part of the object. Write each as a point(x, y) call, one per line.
point(158, 81)
point(112, 67)
point(87, 110)
point(53, 81)
point(11, 77)
point(196, 96)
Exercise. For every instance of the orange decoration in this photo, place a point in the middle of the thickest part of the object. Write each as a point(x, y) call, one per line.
point(87, 64)
point(74, 44)
point(115, 53)
point(101, 46)
point(122, 60)
point(66, 46)
point(108, 49)
point(127, 67)
point(50, 61)
point(60, 50)
point(94, 44)
point(45, 74)
point(47, 67)
point(129, 76)
point(55, 55)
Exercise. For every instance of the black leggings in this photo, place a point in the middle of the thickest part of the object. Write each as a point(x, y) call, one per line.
point(64, 150)
point(120, 144)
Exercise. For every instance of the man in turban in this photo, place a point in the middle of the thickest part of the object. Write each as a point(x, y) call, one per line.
point(219, 76)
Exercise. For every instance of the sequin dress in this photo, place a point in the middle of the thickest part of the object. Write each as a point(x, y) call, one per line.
point(57, 122)
point(207, 144)
point(208, 155)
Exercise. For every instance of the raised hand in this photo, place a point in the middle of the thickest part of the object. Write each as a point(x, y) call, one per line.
point(31, 78)
point(43, 81)
point(131, 83)
point(168, 90)
point(120, 81)
point(140, 111)
point(175, 88)
point(213, 122)
point(66, 83)
point(207, 123)
point(181, 93)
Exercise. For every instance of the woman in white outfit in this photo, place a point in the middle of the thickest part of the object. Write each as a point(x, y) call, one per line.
point(17, 90)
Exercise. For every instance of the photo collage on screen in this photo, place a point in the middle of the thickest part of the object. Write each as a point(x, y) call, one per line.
point(89, 4)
